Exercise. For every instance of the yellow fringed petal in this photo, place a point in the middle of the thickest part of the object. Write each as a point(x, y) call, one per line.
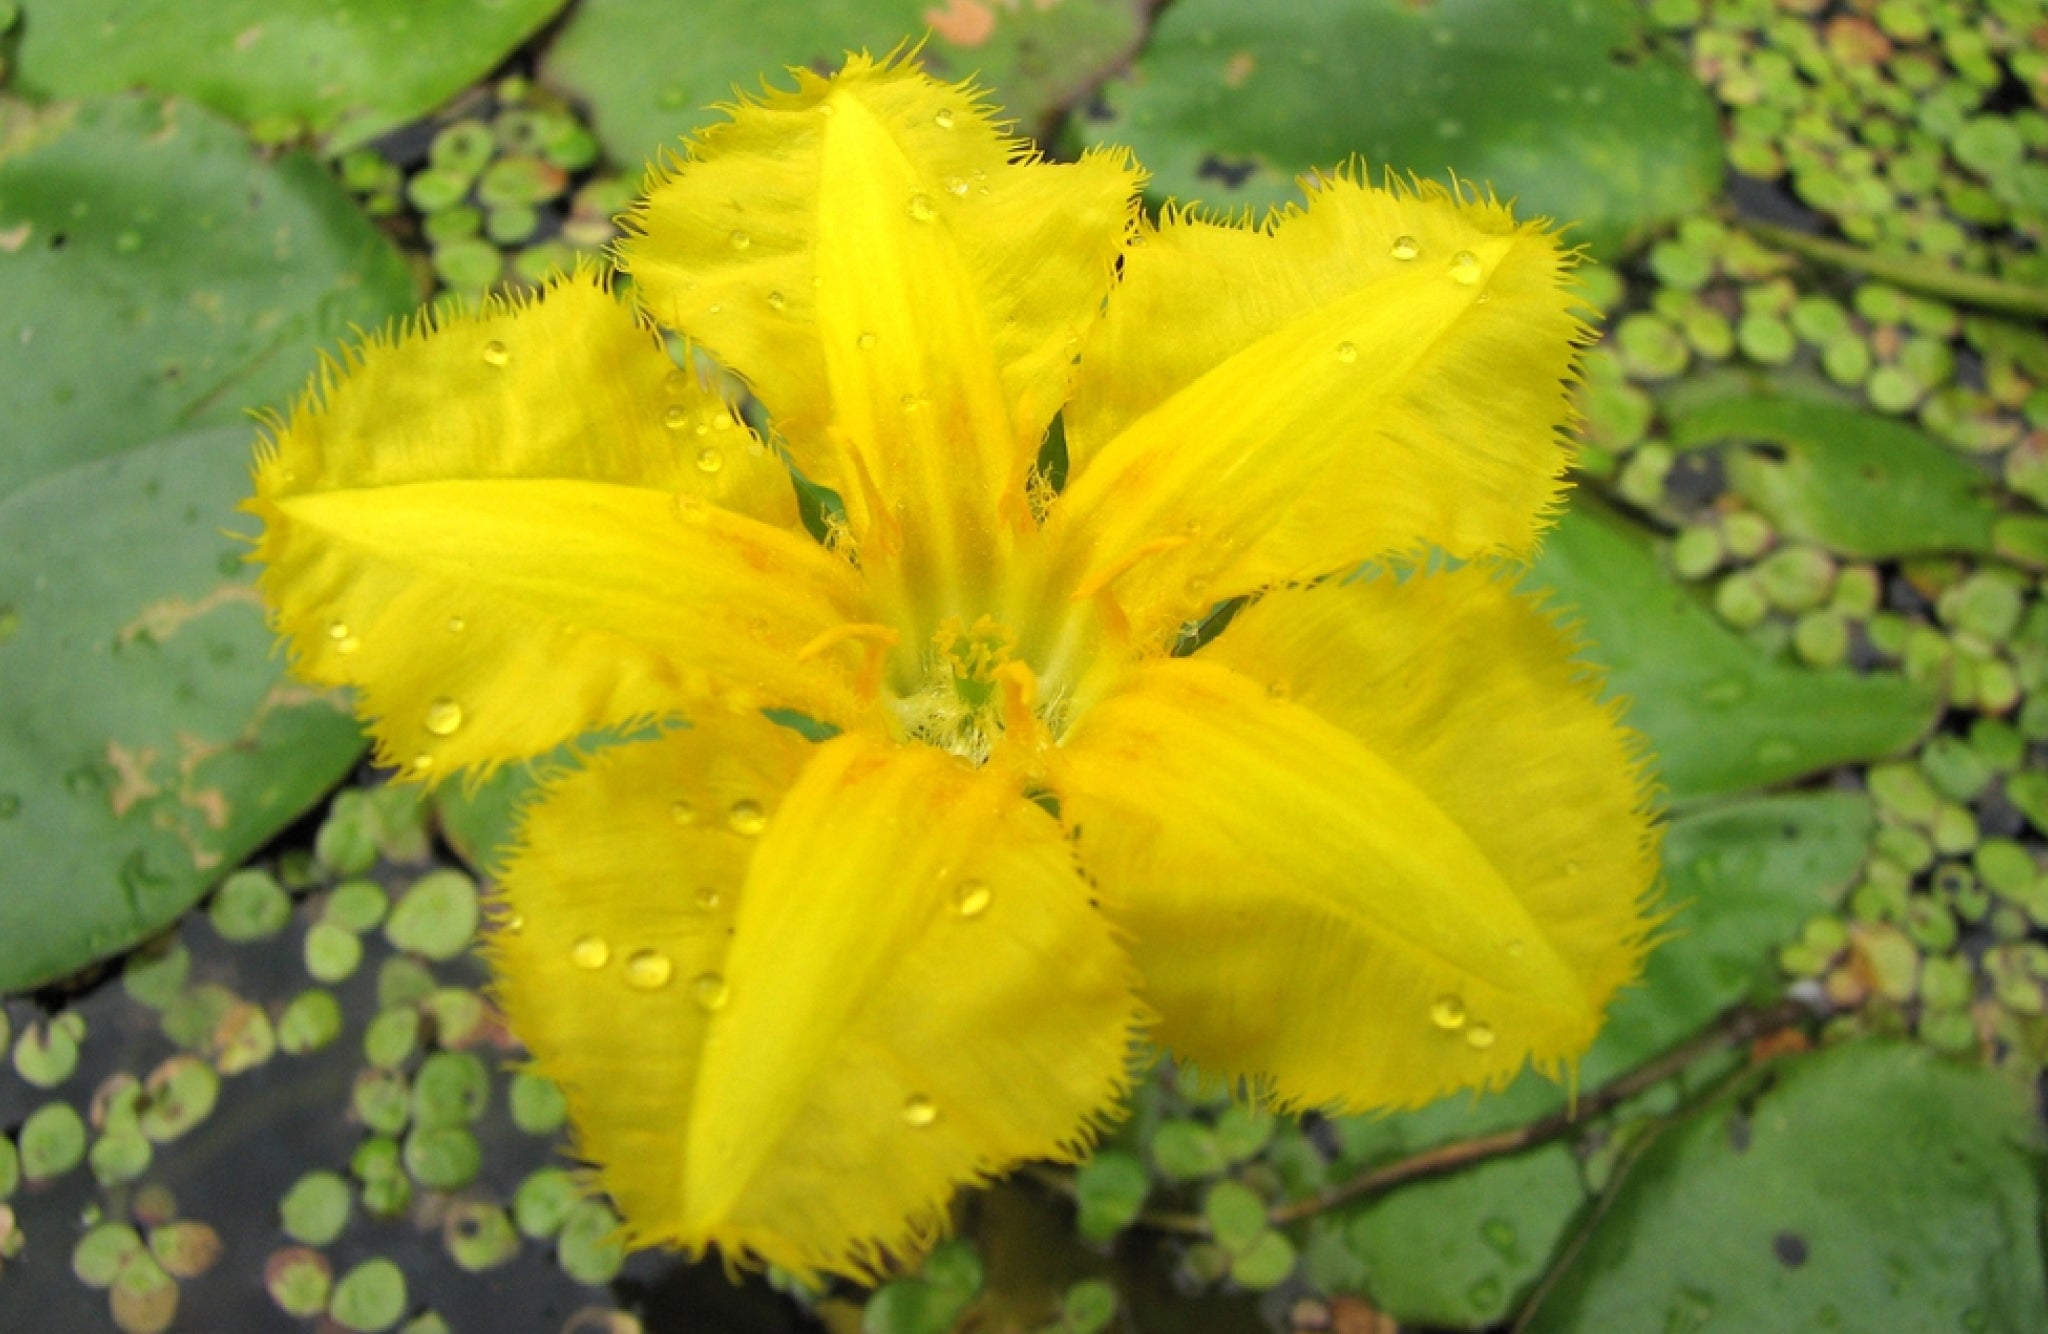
point(1376, 843)
point(616, 920)
point(503, 533)
point(1384, 370)
point(903, 287)
point(921, 996)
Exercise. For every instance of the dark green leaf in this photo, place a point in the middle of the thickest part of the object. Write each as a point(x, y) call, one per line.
point(1721, 716)
point(148, 743)
point(347, 68)
point(1555, 103)
point(649, 74)
point(1873, 1186)
point(163, 277)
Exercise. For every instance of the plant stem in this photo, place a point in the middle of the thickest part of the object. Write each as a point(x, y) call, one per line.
point(1929, 278)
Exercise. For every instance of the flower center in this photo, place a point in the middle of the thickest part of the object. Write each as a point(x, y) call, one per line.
point(958, 702)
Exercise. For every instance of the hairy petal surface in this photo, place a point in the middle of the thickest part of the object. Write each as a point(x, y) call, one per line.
point(1384, 370)
point(615, 909)
point(915, 993)
point(902, 286)
point(1384, 847)
point(503, 533)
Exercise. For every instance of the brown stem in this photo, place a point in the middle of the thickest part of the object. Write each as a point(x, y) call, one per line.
point(1738, 1026)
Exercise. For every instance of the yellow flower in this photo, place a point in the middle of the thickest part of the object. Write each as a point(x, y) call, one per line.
point(1374, 841)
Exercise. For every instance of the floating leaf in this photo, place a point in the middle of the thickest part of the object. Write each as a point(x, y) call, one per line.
point(349, 70)
point(647, 75)
point(160, 276)
point(1861, 484)
point(1872, 1186)
point(1555, 103)
point(1720, 714)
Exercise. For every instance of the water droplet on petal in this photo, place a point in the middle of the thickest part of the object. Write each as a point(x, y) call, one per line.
point(1516, 948)
point(590, 953)
point(956, 185)
point(776, 301)
point(1448, 1012)
point(514, 924)
point(456, 625)
point(918, 1111)
point(444, 716)
point(866, 340)
point(648, 970)
point(422, 762)
point(1347, 352)
point(1405, 248)
point(740, 240)
point(711, 991)
point(944, 118)
point(682, 812)
point(347, 646)
point(709, 460)
point(708, 898)
point(1465, 267)
point(1479, 1037)
point(921, 209)
point(337, 630)
point(495, 353)
point(676, 418)
point(971, 898)
point(747, 817)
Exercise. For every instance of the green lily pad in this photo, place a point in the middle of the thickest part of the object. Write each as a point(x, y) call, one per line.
point(348, 70)
point(1872, 1186)
point(648, 76)
point(1861, 484)
point(1556, 103)
point(1463, 1249)
point(159, 276)
point(1721, 715)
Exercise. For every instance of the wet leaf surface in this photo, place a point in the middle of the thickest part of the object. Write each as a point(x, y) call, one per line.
point(160, 276)
point(1871, 1186)
point(348, 70)
point(1554, 103)
point(1036, 57)
point(1721, 714)
point(150, 742)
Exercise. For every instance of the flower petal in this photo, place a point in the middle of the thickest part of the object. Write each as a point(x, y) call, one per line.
point(1377, 842)
point(903, 287)
point(917, 994)
point(1317, 399)
point(491, 531)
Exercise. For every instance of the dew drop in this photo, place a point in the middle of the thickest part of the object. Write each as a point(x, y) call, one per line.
point(777, 301)
point(648, 970)
point(711, 991)
point(495, 353)
point(444, 717)
point(956, 185)
point(514, 924)
point(676, 418)
point(1347, 352)
point(708, 898)
point(1448, 1012)
point(971, 898)
point(1479, 1037)
point(422, 762)
point(921, 209)
point(866, 340)
point(1516, 948)
point(1405, 248)
point(1465, 267)
point(688, 508)
point(747, 817)
point(709, 459)
point(590, 953)
point(944, 118)
point(919, 1111)
point(347, 646)
point(740, 240)
point(337, 630)
point(682, 812)
point(721, 422)
point(456, 625)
